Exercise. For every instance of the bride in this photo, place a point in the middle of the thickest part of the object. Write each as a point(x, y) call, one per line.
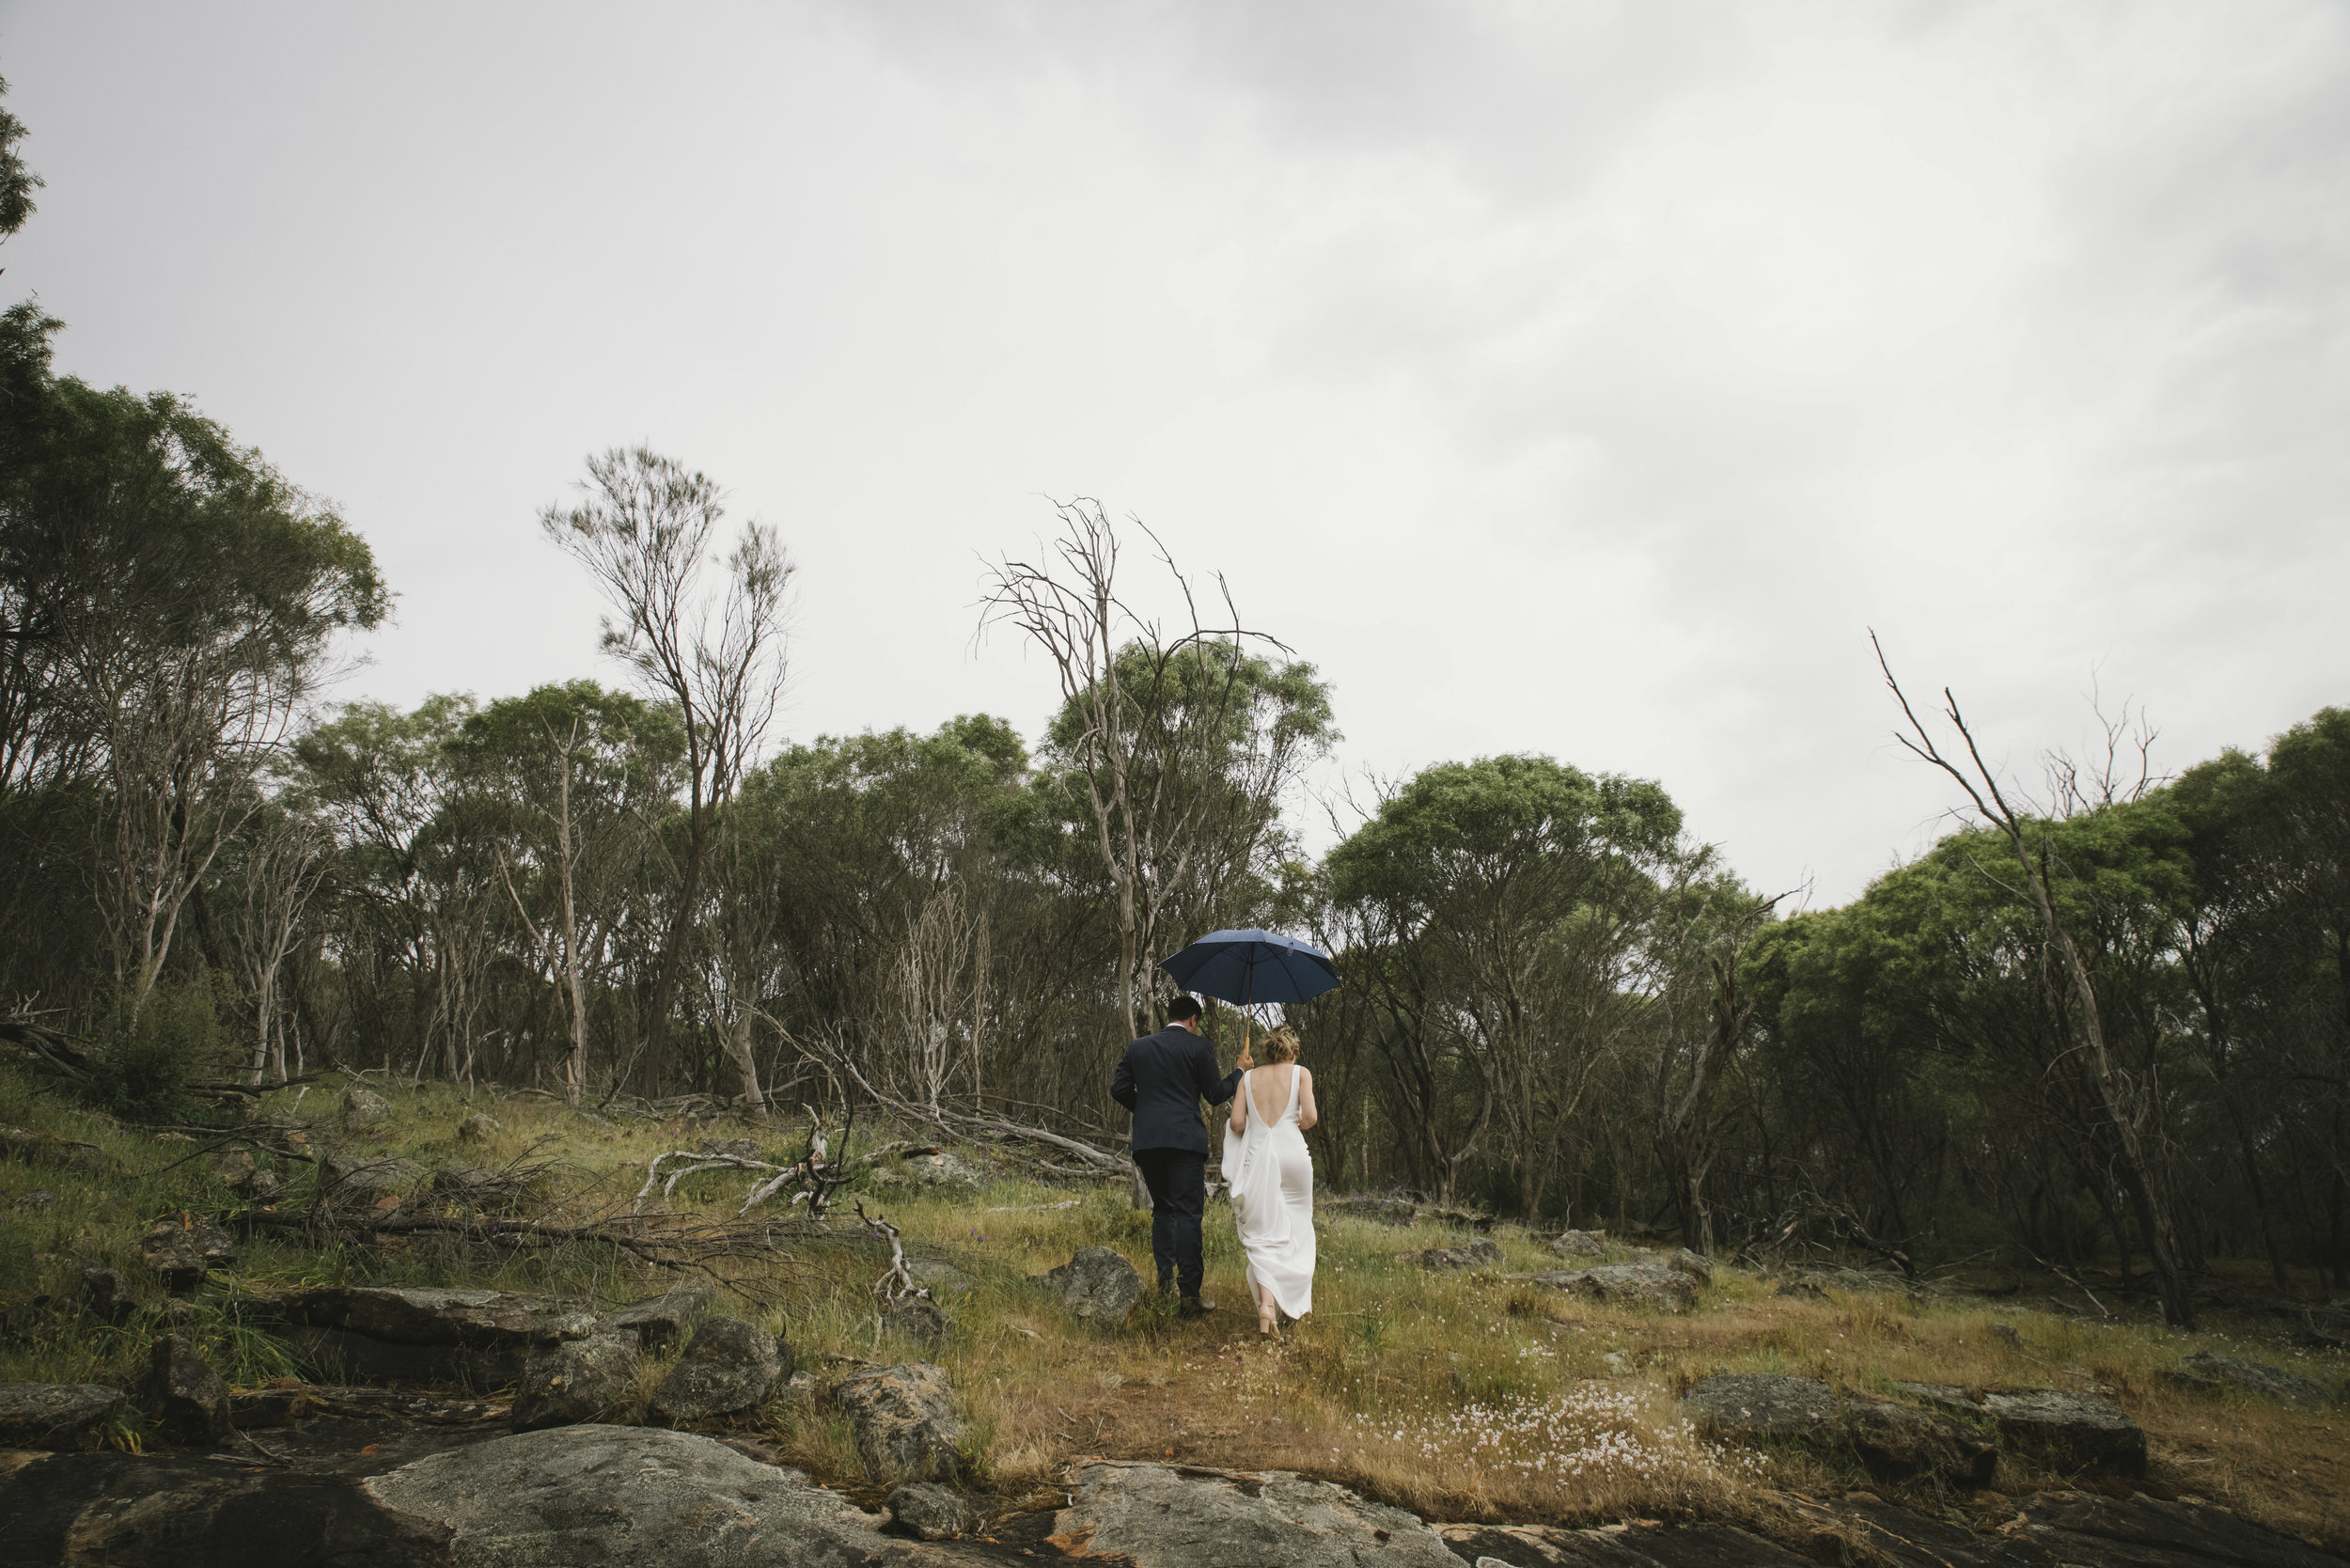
point(1273, 1179)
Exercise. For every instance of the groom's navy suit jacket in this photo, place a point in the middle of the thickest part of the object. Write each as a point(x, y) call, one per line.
point(1161, 1080)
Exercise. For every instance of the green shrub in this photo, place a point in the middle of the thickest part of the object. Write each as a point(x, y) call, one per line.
point(147, 1061)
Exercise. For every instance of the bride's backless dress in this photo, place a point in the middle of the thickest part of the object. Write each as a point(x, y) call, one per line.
point(1273, 1199)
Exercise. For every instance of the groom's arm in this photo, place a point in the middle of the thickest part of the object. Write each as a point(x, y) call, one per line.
point(1123, 1085)
point(1215, 1091)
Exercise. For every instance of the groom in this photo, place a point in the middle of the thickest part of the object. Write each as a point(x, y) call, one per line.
point(1161, 1080)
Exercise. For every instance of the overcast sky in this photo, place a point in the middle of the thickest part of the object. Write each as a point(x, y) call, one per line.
point(1573, 378)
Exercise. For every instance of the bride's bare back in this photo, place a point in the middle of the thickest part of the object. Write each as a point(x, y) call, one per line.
point(1269, 1096)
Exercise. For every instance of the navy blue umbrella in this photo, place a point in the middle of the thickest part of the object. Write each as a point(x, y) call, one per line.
point(1247, 966)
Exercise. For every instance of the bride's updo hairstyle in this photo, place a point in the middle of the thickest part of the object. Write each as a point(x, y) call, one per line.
point(1282, 1044)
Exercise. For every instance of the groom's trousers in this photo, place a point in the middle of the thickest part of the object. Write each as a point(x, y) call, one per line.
point(1178, 1180)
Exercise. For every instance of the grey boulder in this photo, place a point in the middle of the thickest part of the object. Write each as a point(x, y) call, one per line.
point(201, 1510)
point(1895, 1441)
point(365, 1110)
point(240, 1175)
point(55, 1414)
point(628, 1498)
point(1098, 1284)
point(1156, 1517)
point(1579, 1243)
point(188, 1397)
point(2075, 1433)
point(183, 1255)
point(904, 1420)
point(478, 1128)
point(1695, 1265)
point(660, 1321)
point(1769, 1407)
point(425, 1333)
point(577, 1381)
point(728, 1366)
point(931, 1511)
point(1625, 1285)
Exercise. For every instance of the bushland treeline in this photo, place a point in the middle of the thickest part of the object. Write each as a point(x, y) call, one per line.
point(1559, 1002)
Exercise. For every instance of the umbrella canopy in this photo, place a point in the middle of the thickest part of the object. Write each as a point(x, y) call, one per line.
point(1247, 966)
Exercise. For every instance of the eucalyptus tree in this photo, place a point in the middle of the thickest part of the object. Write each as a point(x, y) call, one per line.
point(412, 878)
point(645, 528)
point(172, 602)
point(1497, 908)
point(869, 880)
point(1174, 741)
point(575, 780)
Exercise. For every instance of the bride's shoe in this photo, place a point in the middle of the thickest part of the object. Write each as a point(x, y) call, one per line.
point(1269, 1321)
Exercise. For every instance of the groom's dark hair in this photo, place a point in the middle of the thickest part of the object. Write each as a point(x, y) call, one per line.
point(1182, 1008)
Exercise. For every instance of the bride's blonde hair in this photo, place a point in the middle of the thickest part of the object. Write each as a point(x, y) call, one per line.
point(1282, 1044)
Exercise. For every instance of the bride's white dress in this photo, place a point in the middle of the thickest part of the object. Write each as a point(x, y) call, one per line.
point(1273, 1199)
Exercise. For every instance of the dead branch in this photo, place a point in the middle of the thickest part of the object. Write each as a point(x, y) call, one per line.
point(898, 1283)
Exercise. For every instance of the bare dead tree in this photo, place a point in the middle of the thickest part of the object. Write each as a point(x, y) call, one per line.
point(644, 532)
point(2114, 1097)
point(935, 994)
point(1133, 752)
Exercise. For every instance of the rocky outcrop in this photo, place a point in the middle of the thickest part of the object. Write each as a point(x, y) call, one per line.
point(628, 1498)
point(2059, 1529)
point(573, 1382)
point(207, 1511)
point(188, 1399)
point(728, 1366)
point(2210, 1373)
point(364, 1110)
point(1898, 1442)
point(480, 1127)
point(183, 1254)
point(423, 1333)
point(1623, 1285)
point(1894, 1441)
point(1098, 1285)
point(903, 1421)
point(1695, 1266)
point(1579, 1243)
point(645, 1498)
point(1476, 1254)
point(2070, 1433)
point(240, 1175)
point(659, 1321)
point(56, 1415)
point(1169, 1516)
point(931, 1512)
point(2074, 1434)
point(1766, 1406)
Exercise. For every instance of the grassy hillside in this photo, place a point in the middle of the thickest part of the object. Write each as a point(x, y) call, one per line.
point(1461, 1395)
